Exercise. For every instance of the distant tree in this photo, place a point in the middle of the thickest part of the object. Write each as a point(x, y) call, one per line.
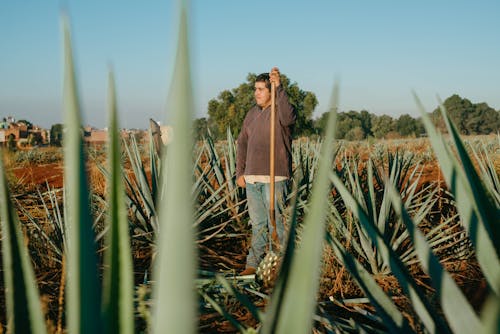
point(225, 112)
point(469, 118)
point(420, 127)
point(11, 142)
point(366, 122)
point(320, 123)
point(484, 120)
point(56, 134)
point(200, 128)
point(28, 123)
point(458, 109)
point(347, 121)
point(356, 133)
point(407, 126)
point(382, 125)
point(231, 106)
point(304, 103)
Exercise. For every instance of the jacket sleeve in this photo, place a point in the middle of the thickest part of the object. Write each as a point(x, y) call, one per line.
point(285, 111)
point(241, 151)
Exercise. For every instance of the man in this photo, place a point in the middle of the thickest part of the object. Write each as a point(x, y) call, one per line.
point(252, 164)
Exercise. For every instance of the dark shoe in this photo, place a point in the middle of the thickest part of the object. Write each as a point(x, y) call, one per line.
point(248, 271)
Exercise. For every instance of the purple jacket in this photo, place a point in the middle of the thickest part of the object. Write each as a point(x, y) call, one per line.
point(253, 140)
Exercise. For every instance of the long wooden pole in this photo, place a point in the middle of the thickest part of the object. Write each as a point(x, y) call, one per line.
point(272, 141)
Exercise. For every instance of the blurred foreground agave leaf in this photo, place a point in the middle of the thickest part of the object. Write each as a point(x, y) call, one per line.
point(118, 308)
point(459, 313)
point(174, 268)
point(417, 296)
point(24, 313)
point(477, 212)
point(83, 306)
point(294, 300)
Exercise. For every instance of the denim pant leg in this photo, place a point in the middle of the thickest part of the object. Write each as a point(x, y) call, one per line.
point(258, 212)
point(280, 192)
point(258, 209)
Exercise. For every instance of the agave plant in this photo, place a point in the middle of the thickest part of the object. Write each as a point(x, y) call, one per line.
point(489, 175)
point(220, 202)
point(367, 184)
point(52, 238)
point(459, 315)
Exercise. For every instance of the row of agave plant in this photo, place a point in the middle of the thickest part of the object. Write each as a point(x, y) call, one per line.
point(370, 220)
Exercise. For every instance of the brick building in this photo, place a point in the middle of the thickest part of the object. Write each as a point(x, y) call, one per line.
point(20, 132)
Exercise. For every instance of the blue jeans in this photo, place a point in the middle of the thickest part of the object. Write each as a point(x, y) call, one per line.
point(258, 209)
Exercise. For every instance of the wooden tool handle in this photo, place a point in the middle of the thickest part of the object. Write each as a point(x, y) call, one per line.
point(272, 141)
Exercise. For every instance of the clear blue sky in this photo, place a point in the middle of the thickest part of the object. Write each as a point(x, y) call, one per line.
point(379, 51)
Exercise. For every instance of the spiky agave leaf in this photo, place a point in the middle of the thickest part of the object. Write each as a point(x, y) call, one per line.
point(84, 292)
point(419, 300)
point(459, 313)
point(118, 287)
point(139, 195)
point(477, 213)
point(174, 269)
point(491, 315)
point(24, 313)
point(392, 317)
point(297, 299)
point(365, 183)
point(488, 171)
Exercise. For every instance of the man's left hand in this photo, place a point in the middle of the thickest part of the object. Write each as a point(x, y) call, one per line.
point(241, 181)
point(274, 76)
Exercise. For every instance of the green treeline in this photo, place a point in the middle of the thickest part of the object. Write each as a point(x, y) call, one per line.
point(229, 108)
point(470, 119)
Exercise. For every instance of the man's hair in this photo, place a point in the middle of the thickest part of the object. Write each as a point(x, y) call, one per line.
point(264, 77)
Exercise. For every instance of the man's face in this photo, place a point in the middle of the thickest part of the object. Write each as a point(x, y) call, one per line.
point(262, 94)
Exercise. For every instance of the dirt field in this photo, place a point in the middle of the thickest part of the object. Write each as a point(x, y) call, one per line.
point(52, 173)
